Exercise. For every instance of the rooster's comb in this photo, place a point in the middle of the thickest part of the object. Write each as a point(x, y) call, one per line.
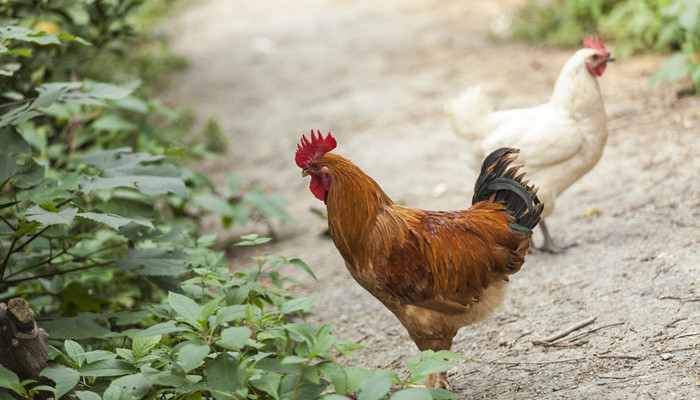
point(307, 150)
point(592, 42)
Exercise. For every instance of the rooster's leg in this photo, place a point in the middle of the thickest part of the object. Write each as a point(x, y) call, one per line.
point(549, 246)
point(436, 344)
point(438, 381)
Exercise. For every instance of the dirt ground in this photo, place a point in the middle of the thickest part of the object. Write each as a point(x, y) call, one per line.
point(376, 74)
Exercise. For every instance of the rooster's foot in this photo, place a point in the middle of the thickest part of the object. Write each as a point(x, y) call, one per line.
point(438, 381)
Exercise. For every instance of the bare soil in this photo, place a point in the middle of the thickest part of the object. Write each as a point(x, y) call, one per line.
point(376, 74)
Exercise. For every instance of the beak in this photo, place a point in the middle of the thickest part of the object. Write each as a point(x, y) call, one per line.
point(609, 58)
point(305, 173)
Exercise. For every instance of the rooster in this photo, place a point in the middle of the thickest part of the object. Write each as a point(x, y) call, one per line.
point(560, 141)
point(437, 271)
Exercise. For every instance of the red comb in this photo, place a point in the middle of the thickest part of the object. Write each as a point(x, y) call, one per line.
point(307, 150)
point(592, 42)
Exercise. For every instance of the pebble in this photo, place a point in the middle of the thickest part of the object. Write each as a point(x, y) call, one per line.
point(666, 356)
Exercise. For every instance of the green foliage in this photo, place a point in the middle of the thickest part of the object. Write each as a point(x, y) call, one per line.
point(230, 335)
point(634, 25)
point(562, 22)
point(95, 208)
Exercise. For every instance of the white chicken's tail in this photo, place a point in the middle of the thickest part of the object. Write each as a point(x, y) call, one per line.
point(467, 114)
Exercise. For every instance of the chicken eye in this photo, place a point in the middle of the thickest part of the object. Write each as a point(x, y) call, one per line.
point(314, 166)
point(596, 57)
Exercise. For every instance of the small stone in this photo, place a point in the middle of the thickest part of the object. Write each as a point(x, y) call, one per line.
point(666, 356)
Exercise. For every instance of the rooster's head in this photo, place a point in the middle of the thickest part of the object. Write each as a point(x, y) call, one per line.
point(307, 152)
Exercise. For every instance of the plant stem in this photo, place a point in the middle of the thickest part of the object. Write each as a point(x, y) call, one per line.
point(15, 281)
point(3, 266)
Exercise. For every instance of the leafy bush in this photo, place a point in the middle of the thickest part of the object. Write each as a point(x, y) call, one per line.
point(634, 25)
point(230, 335)
point(95, 212)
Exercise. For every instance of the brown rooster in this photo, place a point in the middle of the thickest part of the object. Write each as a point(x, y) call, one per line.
point(437, 271)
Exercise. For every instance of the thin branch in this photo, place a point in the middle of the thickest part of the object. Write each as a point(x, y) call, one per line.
point(594, 330)
point(14, 281)
point(3, 266)
point(564, 332)
point(14, 228)
point(31, 239)
point(12, 103)
point(567, 360)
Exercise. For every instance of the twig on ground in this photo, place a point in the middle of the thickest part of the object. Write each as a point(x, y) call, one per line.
point(521, 336)
point(623, 356)
point(686, 335)
point(670, 324)
point(566, 360)
point(588, 332)
point(564, 332)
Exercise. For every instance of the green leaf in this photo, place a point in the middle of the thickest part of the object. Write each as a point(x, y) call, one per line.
point(302, 333)
point(75, 351)
point(130, 387)
point(412, 394)
point(163, 378)
point(297, 304)
point(107, 368)
point(191, 356)
point(235, 337)
point(69, 37)
point(113, 392)
point(267, 205)
point(142, 345)
point(114, 221)
point(268, 383)
point(689, 17)
point(297, 263)
point(84, 325)
point(234, 183)
point(83, 395)
point(374, 388)
point(27, 35)
point(185, 307)
point(98, 355)
point(111, 122)
point(675, 68)
point(439, 394)
point(154, 262)
point(132, 103)
point(8, 379)
point(126, 354)
point(222, 376)
point(65, 378)
point(230, 313)
point(46, 217)
point(149, 185)
point(162, 328)
point(217, 205)
point(210, 308)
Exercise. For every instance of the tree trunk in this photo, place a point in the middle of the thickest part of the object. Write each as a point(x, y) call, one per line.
point(23, 345)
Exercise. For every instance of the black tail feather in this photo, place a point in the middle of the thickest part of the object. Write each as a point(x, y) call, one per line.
point(501, 183)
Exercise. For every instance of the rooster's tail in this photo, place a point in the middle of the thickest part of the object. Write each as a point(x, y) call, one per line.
point(500, 183)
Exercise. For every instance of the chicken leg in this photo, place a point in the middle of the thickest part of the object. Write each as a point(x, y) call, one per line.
point(549, 246)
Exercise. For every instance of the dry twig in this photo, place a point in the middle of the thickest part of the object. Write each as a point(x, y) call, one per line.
point(564, 332)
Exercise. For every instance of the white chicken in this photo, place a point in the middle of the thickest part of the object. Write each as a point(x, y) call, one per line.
point(559, 141)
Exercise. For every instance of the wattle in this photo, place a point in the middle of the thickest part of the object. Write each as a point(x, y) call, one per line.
point(318, 189)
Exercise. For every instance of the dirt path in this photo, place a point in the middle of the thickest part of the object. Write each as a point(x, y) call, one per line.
point(376, 74)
